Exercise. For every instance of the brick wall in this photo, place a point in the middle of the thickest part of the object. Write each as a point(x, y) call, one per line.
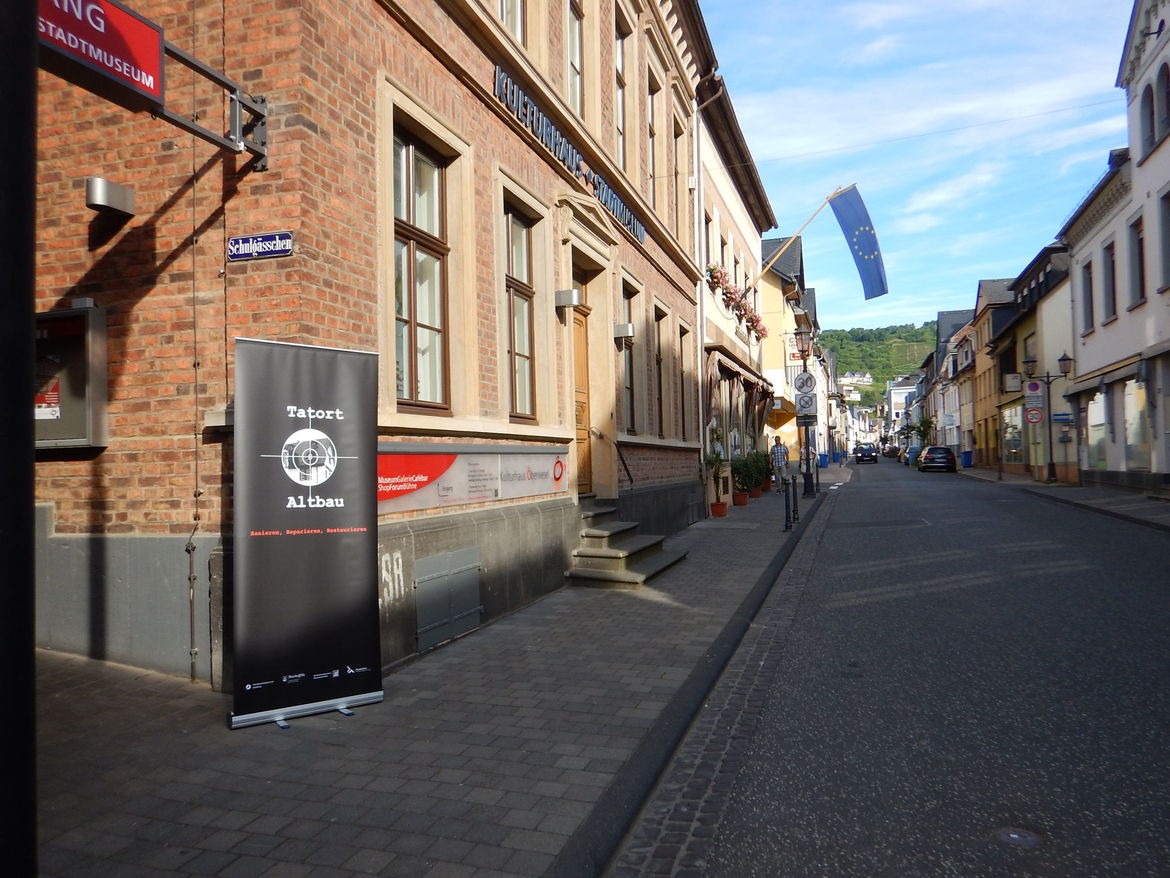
point(173, 303)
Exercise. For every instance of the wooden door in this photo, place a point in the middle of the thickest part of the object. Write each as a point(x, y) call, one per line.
point(581, 401)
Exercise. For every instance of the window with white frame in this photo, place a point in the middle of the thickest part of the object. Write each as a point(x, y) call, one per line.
point(1138, 432)
point(620, 96)
point(575, 51)
point(420, 294)
point(1147, 120)
point(661, 368)
point(1164, 238)
point(1137, 263)
point(629, 297)
point(1087, 315)
point(678, 169)
point(685, 358)
point(512, 15)
point(521, 347)
point(1108, 282)
point(652, 94)
point(1162, 100)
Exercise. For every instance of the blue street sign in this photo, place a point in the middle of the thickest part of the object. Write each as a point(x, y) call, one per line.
point(263, 246)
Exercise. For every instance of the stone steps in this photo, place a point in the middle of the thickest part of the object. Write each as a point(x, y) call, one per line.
point(613, 554)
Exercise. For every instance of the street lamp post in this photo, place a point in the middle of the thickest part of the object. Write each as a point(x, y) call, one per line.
point(804, 347)
point(1065, 362)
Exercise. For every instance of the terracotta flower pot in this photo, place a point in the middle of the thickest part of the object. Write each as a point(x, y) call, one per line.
point(757, 491)
point(739, 498)
point(718, 510)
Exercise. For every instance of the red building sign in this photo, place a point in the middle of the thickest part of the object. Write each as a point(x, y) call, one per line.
point(105, 37)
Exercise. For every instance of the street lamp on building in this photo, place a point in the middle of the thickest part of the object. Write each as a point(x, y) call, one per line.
point(804, 348)
point(1065, 362)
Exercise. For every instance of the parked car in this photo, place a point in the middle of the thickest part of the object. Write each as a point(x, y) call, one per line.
point(937, 457)
point(909, 455)
point(865, 453)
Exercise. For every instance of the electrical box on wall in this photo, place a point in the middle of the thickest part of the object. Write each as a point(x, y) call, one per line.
point(70, 395)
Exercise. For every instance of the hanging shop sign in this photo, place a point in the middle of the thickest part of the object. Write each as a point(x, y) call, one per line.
point(111, 43)
point(532, 117)
point(305, 602)
point(263, 246)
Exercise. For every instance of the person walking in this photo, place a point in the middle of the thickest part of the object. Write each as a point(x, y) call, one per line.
point(779, 461)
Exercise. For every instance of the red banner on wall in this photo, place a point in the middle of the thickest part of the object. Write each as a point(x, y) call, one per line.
point(107, 38)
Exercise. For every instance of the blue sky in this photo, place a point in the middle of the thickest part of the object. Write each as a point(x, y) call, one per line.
point(972, 130)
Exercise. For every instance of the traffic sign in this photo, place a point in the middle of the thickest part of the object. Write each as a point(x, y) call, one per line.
point(1034, 416)
point(806, 420)
point(805, 382)
point(806, 403)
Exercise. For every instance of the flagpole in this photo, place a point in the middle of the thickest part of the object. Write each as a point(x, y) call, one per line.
point(795, 235)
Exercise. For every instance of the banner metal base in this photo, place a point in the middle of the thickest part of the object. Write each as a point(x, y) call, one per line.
point(281, 714)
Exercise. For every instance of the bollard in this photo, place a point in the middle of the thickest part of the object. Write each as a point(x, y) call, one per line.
point(795, 509)
point(787, 504)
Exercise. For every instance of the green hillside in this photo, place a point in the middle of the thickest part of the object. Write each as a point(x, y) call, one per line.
point(885, 353)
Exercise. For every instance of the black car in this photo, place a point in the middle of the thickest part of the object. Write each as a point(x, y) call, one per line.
point(866, 453)
point(937, 457)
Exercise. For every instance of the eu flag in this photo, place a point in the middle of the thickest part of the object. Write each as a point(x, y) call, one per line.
point(858, 229)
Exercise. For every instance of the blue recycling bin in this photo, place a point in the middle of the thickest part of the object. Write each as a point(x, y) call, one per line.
point(824, 460)
point(966, 455)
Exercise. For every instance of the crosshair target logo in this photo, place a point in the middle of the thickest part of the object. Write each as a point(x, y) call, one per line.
point(309, 457)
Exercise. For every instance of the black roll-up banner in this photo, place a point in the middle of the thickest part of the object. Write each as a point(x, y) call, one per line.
point(305, 597)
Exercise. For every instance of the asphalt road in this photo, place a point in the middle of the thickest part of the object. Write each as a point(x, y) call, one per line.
point(974, 684)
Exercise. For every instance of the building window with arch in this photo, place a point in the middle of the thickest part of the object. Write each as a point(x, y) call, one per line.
point(1147, 120)
point(1162, 101)
point(420, 283)
point(521, 345)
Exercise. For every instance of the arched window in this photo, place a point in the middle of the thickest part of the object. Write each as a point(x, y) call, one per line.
point(1162, 101)
point(1147, 120)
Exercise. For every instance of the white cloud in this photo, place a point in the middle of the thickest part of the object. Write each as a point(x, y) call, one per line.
point(916, 224)
point(955, 190)
point(878, 50)
point(871, 16)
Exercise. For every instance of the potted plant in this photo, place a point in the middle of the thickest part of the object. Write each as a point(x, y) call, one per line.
point(763, 468)
point(714, 461)
point(742, 480)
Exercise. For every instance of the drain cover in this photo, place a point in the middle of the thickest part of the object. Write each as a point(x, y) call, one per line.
point(1021, 838)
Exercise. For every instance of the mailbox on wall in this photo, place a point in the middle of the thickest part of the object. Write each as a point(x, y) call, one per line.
point(70, 395)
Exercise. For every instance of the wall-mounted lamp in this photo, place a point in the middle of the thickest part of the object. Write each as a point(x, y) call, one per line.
point(101, 194)
point(569, 298)
point(623, 330)
point(803, 341)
